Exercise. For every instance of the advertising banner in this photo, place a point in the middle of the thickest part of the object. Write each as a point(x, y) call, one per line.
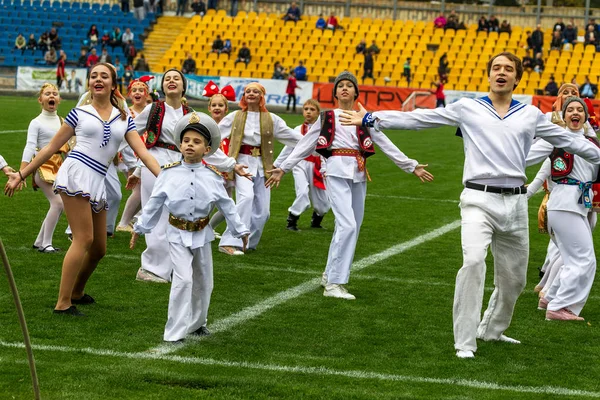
point(32, 78)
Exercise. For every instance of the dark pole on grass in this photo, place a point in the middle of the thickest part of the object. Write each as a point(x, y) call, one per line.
point(22, 322)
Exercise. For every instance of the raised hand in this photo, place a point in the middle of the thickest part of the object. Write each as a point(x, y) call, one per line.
point(353, 117)
point(276, 175)
point(422, 173)
point(240, 169)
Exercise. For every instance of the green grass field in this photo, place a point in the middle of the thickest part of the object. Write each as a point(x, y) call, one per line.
point(274, 334)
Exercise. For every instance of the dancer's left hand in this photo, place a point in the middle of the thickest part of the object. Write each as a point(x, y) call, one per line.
point(275, 178)
point(132, 182)
point(353, 117)
point(240, 169)
point(422, 173)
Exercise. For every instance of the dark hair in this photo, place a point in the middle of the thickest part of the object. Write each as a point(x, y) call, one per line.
point(114, 100)
point(511, 57)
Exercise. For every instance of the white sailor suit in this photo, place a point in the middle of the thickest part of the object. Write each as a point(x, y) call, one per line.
point(156, 256)
point(570, 228)
point(189, 192)
point(495, 150)
point(84, 171)
point(346, 188)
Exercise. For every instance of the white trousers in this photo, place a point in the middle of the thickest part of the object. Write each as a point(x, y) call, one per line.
point(156, 257)
point(253, 202)
point(573, 235)
point(190, 290)
point(46, 233)
point(306, 192)
point(113, 197)
point(502, 222)
point(347, 199)
point(555, 264)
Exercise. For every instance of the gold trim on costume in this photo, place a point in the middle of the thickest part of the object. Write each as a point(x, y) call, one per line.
point(190, 226)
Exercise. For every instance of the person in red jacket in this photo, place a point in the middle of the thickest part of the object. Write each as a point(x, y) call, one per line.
point(291, 90)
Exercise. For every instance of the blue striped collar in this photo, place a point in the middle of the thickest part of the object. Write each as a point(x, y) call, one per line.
point(89, 109)
point(487, 103)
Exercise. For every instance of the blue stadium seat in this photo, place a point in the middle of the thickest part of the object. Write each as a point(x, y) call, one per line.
point(95, 6)
point(84, 6)
point(75, 5)
point(46, 4)
point(56, 4)
point(116, 7)
point(105, 7)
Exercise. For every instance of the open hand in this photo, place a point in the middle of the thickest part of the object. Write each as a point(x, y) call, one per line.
point(422, 173)
point(275, 178)
point(240, 169)
point(132, 182)
point(14, 183)
point(353, 117)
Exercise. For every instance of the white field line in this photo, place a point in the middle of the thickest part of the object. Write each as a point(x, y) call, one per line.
point(14, 131)
point(308, 286)
point(317, 371)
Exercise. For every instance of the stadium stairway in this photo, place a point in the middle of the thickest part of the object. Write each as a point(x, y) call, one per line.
point(164, 33)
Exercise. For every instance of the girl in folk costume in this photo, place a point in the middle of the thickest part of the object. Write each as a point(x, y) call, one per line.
point(308, 180)
point(345, 149)
point(41, 130)
point(569, 209)
point(251, 132)
point(158, 122)
point(218, 107)
point(100, 128)
point(138, 93)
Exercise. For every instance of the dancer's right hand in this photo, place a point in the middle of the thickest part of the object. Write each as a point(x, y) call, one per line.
point(14, 183)
point(132, 182)
point(275, 178)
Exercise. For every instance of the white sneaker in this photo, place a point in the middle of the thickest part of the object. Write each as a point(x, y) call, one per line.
point(324, 279)
point(232, 251)
point(217, 235)
point(465, 354)
point(147, 276)
point(338, 291)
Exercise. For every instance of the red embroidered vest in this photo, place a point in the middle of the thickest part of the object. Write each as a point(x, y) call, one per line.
point(155, 120)
point(561, 162)
point(328, 133)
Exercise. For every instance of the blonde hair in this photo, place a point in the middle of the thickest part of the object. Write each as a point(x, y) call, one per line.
point(314, 103)
point(45, 86)
point(224, 100)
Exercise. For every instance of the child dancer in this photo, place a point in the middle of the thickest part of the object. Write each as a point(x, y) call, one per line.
point(346, 150)
point(100, 128)
point(308, 181)
point(189, 241)
point(41, 130)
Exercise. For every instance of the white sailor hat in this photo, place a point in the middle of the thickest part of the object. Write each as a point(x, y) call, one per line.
point(204, 125)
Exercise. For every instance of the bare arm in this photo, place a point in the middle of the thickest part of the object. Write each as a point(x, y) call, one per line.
point(139, 148)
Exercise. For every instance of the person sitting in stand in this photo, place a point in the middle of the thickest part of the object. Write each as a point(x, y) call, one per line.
point(332, 22)
point(293, 13)
point(199, 7)
point(217, 45)
point(189, 65)
point(226, 48)
point(321, 23)
point(300, 71)
point(362, 47)
point(243, 55)
point(551, 88)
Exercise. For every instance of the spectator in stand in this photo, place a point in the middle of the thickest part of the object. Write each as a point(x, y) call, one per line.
point(128, 76)
point(333, 23)
point(557, 40)
point(32, 43)
point(529, 40)
point(362, 47)
point(293, 13)
point(300, 71)
point(50, 56)
point(278, 71)
point(105, 57)
point(60, 70)
point(590, 36)
point(54, 39)
point(538, 63)
point(120, 72)
point(125, 6)
point(130, 52)
point(127, 36)
point(551, 88)
point(406, 72)
point(141, 65)
point(92, 59)
point(244, 54)
point(116, 38)
point(234, 8)
point(559, 25)
point(505, 27)
point(592, 24)
point(227, 48)
point(181, 6)
point(82, 61)
point(189, 65)
point(373, 47)
point(149, 6)
point(211, 5)
point(493, 24)
point(93, 35)
point(20, 43)
point(199, 7)
point(588, 89)
point(440, 97)
point(482, 25)
point(368, 65)
point(217, 45)
point(570, 34)
point(290, 90)
point(321, 23)
point(461, 26)
point(138, 10)
point(443, 69)
point(440, 21)
point(43, 42)
point(537, 39)
point(528, 61)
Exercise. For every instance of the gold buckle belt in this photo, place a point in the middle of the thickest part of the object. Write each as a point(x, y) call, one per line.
point(190, 226)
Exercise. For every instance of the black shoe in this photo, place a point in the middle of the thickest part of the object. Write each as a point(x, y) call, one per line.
point(292, 222)
point(315, 222)
point(85, 299)
point(202, 331)
point(48, 249)
point(70, 311)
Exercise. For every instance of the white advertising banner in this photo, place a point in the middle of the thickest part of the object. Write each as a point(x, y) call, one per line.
point(275, 89)
point(32, 78)
point(455, 95)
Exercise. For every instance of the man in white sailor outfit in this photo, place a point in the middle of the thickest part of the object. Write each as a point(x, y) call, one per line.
point(189, 190)
point(497, 132)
